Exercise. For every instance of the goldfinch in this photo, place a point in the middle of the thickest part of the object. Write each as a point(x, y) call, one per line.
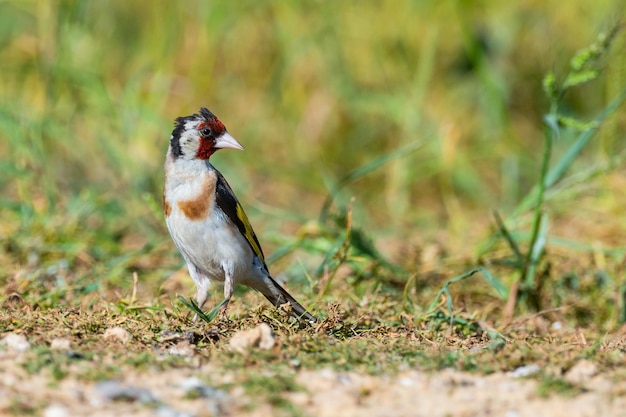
point(205, 219)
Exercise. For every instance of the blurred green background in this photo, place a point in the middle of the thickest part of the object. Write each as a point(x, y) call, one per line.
point(313, 90)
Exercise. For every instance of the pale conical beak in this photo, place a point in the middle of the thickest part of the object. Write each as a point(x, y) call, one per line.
point(227, 141)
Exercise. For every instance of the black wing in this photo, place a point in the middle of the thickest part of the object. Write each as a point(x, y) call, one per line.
point(227, 201)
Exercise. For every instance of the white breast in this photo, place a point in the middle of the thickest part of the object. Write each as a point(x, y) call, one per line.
point(197, 227)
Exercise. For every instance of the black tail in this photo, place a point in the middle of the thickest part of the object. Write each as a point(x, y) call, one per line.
point(279, 296)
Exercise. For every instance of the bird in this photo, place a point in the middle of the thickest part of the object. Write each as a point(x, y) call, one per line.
point(206, 221)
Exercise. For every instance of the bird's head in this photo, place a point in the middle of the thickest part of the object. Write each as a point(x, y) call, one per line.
point(199, 136)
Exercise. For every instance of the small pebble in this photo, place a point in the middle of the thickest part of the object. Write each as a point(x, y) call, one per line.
point(406, 382)
point(60, 344)
point(260, 337)
point(524, 371)
point(193, 386)
point(581, 372)
point(113, 390)
point(117, 333)
point(183, 348)
point(55, 410)
point(16, 342)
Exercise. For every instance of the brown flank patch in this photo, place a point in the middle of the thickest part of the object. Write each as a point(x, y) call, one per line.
point(197, 208)
point(167, 209)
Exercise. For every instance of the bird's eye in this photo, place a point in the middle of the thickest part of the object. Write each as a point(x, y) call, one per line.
point(205, 131)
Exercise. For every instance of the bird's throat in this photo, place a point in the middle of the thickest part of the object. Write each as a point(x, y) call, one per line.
point(206, 149)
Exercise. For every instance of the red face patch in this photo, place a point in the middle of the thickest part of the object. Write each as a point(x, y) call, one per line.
point(214, 124)
point(206, 149)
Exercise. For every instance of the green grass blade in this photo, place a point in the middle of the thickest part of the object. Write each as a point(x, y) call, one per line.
point(190, 304)
point(566, 161)
point(536, 250)
point(519, 258)
point(445, 291)
point(498, 286)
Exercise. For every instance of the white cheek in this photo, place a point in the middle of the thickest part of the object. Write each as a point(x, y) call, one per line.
point(189, 144)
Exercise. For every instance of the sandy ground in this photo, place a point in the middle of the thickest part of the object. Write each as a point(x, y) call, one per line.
point(183, 392)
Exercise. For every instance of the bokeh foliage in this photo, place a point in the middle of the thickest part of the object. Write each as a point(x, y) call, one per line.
point(314, 90)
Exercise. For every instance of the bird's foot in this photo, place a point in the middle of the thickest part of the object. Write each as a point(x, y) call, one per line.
point(224, 309)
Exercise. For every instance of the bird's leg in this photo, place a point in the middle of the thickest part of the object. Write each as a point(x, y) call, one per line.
point(202, 287)
point(229, 283)
point(202, 293)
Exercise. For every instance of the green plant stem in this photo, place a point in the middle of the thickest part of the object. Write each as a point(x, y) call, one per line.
point(565, 162)
point(342, 253)
point(532, 257)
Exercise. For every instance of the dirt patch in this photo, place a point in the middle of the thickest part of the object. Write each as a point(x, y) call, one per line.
point(449, 393)
point(208, 388)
